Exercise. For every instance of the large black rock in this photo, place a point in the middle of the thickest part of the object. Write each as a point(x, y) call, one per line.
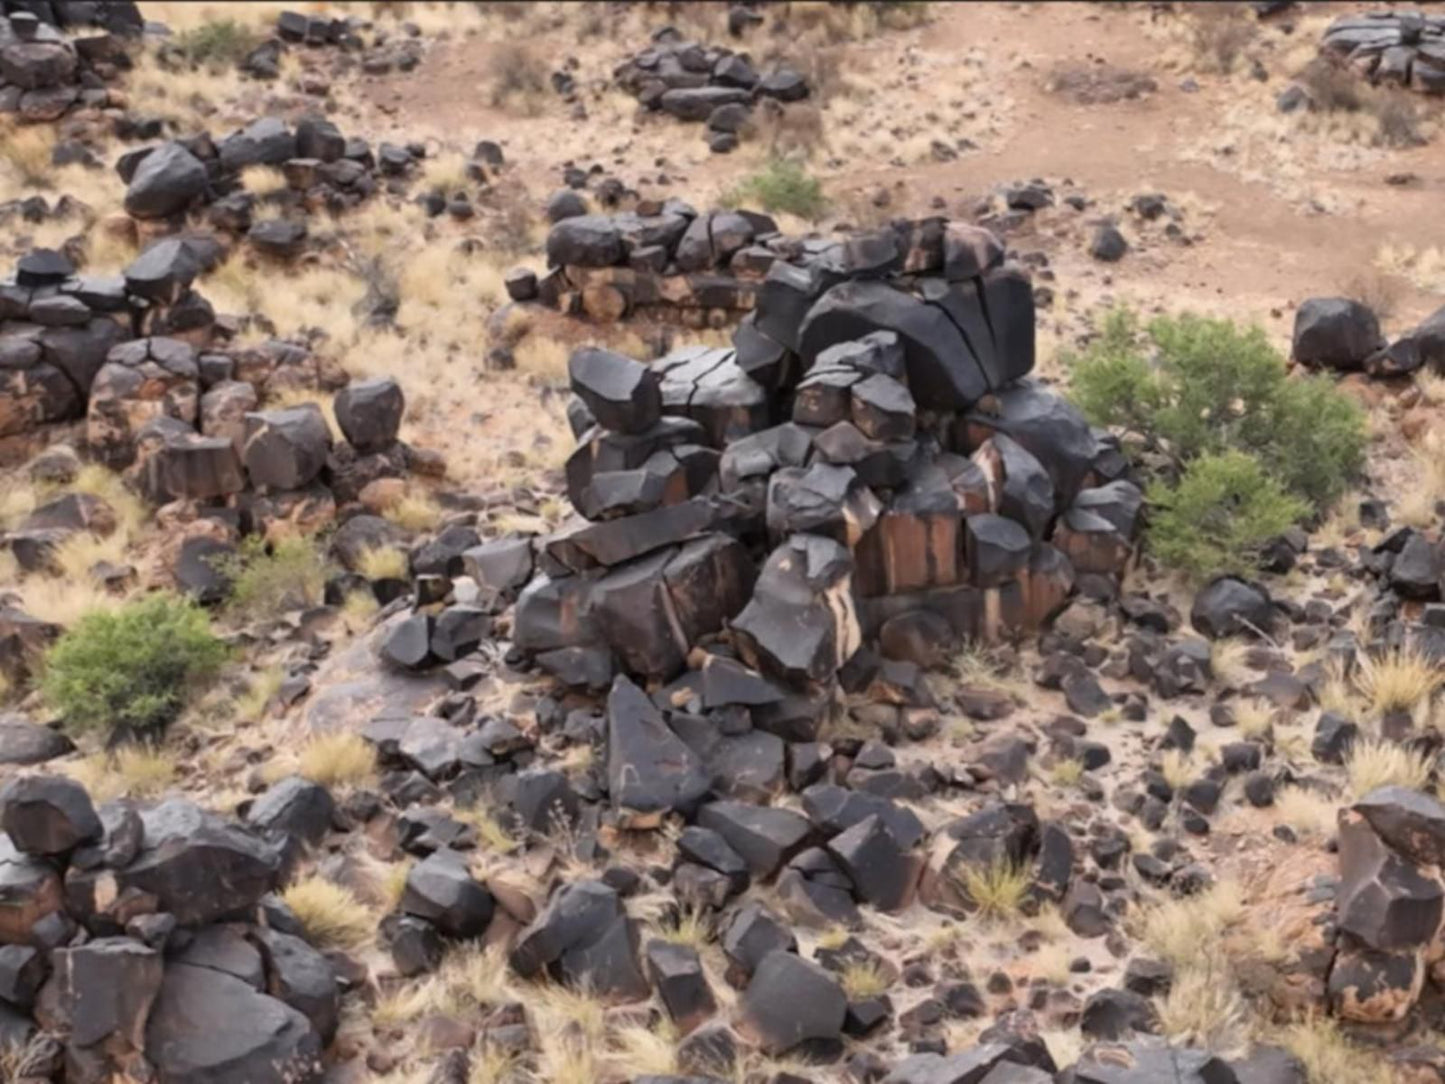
point(166, 182)
point(208, 1027)
point(650, 770)
point(1335, 333)
point(198, 867)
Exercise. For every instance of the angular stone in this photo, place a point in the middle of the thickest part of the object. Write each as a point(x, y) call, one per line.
point(1335, 333)
point(47, 814)
point(800, 623)
point(165, 182)
point(286, 448)
point(791, 1003)
point(650, 771)
point(369, 413)
point(765, 837)
point(207, 1027)
point(440, 889)
point(198, 867)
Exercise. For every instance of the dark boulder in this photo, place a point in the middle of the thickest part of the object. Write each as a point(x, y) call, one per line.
point(1335, 333)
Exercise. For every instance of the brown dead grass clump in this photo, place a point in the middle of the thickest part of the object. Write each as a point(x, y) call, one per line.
point(1220, 33)
point(1098, 84)
point(517, 81)
point(1394, 119)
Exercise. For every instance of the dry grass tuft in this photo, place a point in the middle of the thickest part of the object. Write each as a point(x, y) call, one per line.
point(1305, 810)
point(688, 927)
point(336, 758)
point(415, 512)
point(252, 704)
point(544, 359)
point(1253, 717)
point(262, 180)
point(1220, 34)
point(25, 154)
point(863, 979)
point(517, 81)
point(981, 668)
point(1178, 768)
point(996, 890)
point(1204, 1008)
point(329, 913)
point(1376, 763)
point(1227, 661)
point(383, 563)
point(132, 771)
point(1330, 1058)
point(1066, 772)
point(1397, 680)
point(1183, 931)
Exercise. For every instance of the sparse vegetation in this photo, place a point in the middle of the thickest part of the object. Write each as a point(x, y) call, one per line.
point(781, 185)
point(415, 512)
point(336, 758)
point(1395, 120)
point(864, 979)
point(517, 80)
point(223, 43)
point(1219, 34)
point(133, 670)
point(1330, 1058)
point(1188, 386)
point(1223, 509)
point(269, 578)
point(1397, 680)
point(1254, 449)
point(383, 563)
point(998, 889)
point(25, 151)
point(132, 771)
point(329, 913)
point(1375, 763)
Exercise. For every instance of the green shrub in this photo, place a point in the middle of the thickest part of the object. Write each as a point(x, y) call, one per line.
point(782, 185)
point(1190, 386)
point(269, 578)
point(218, 44)
point(132, 669)
point(1224, 507)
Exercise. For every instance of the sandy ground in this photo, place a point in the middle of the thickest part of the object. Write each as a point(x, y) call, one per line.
point(1280, 212)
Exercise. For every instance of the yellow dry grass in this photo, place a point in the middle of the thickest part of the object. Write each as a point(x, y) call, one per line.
point(1329, 1057)
point(336, 758)
point(1305, 810)
point(132, 771)
point(415, 512)
point(1376, 763)
point(1397, 680)
point(383, 563)
point(330, 913)
point(997, 890)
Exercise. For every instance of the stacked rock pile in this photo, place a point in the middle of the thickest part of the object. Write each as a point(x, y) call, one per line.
point(57, 56)
point(323, 170)
point(712, 85)
point(1394, 48)
point(350, 36)
point(664, 259)
point(867, 459)
point(149, 943)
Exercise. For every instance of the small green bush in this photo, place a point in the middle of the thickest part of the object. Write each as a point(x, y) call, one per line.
point(782, 185)
point(1190, 386)
point(132, 669)
point(218, 44)
point(269, 578)
point(1224, 507)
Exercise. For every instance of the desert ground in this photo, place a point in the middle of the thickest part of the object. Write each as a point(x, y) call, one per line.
point(663, 543)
